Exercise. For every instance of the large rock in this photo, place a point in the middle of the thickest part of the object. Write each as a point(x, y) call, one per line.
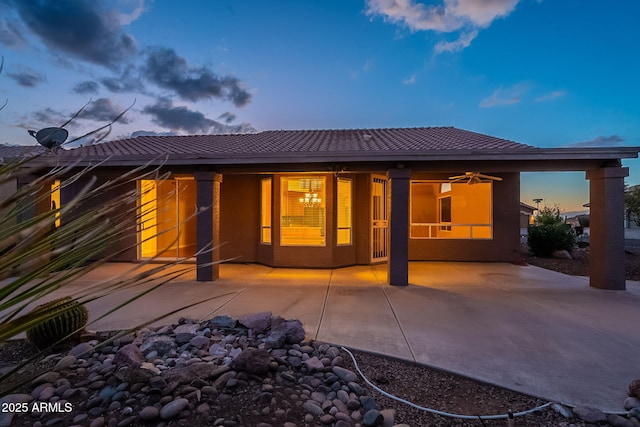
point(252, 361)
point(160, 343)
point(222, 322)
point(259, 322)
point(562, 254)
point(292, 330)
point(186, 374)
point(134, 374)
point(129, 355)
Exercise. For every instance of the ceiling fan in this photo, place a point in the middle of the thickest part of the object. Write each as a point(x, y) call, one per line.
point(474, 178)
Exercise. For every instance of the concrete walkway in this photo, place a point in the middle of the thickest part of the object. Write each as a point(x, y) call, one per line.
point(520, 327)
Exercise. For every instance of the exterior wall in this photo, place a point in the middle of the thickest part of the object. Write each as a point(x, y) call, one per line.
point(240, 226)
point(124, 249)
point(505, 244)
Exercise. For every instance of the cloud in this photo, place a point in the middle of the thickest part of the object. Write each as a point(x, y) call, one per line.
point(551, 96)
point(227, 117)
point(170, 71)
point(148, 133)
point(128, 81)
point(27, 77)
point(10, 30)
point(47, 117)
point(446, 17)
point(462, 42)
point(87, 30)
point(86, 87)
point(599, 141)
point(181, 118)
point(410, 80)
point(103, 110)
point(502, 96)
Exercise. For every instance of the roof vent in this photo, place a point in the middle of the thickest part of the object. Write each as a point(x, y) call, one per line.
point(367, 137)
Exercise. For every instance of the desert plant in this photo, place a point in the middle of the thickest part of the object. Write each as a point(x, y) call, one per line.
point(69, 322)
point(550, 233)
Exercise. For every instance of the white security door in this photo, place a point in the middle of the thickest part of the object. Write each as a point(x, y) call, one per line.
point(379, 219)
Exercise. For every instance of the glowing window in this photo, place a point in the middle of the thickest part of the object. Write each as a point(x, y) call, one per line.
point(442, 210)
point(55, 200)
point(265, 211)
point(344, 211)
point(302, 211)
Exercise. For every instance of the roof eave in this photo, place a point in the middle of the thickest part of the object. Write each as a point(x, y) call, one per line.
point(538, 154)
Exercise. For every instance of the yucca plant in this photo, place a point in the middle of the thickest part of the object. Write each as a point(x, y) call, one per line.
point(38, 258)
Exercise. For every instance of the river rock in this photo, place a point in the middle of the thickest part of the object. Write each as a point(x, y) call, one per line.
point(173, 408)
point(259, 322)
point(589, 415)
point(130, 355)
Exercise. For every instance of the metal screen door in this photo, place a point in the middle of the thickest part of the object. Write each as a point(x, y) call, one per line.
point(379, 219)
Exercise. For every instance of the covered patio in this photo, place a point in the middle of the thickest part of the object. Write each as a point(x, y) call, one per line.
point(521, 327)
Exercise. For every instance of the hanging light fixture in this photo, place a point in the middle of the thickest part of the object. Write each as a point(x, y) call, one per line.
point(310, 200)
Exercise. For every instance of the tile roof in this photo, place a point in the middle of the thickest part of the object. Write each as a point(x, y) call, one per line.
point(302, 141)
point(16, 151)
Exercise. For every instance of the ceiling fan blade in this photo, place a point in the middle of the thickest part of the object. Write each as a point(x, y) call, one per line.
point(490, 177)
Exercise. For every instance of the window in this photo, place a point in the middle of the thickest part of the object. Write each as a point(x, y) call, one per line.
point(265, 210)
point(444, 210)
point(302, 211)
point(55, 200)
point(344, 204)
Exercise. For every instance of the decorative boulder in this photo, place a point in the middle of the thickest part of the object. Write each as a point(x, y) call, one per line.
point(252, 361)
point(259, 322)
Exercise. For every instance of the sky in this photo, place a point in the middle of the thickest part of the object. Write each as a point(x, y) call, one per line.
point(548, 73)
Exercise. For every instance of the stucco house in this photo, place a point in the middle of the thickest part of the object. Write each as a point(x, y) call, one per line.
point(333, 198)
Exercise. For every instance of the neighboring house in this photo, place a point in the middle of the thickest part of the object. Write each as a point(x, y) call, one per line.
point(526, 216)
point(332, 198)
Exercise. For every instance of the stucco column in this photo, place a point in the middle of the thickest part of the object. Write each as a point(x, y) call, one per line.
point(399, 226)
point(606, 224)
point(207, 225)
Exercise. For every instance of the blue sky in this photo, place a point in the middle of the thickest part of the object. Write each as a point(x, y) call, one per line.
point(541, 72)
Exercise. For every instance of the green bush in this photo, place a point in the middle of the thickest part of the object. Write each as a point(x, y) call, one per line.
point(550, 233)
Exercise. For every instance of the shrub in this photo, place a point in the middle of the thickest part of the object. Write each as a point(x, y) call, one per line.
point(550, 233)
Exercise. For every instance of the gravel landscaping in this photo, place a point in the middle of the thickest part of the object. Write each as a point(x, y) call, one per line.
point(254, 371)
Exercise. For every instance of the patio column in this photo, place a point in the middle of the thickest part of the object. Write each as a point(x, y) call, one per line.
point(399, 227)
point(606, 218)
point(208, 225)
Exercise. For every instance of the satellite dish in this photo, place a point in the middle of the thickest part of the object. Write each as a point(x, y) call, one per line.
point(50, 137)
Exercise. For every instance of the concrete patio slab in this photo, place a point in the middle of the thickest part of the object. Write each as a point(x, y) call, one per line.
point(521, 327)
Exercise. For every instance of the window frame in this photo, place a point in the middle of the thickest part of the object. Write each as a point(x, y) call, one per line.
point(323, 209)
point(338, 212)
point(266, 220)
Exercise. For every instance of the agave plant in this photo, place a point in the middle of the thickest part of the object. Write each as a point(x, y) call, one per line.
point(39, 254)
